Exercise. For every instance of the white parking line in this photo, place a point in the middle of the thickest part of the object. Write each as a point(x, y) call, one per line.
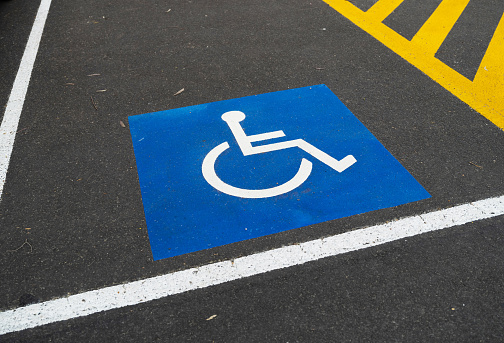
point(217, 273)
point(17, 96)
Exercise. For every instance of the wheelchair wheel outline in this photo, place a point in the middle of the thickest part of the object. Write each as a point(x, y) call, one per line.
point(208, 169)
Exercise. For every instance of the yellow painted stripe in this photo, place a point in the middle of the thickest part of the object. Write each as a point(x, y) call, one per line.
point(382, 9)
point(432, 34)
point(484, 94)
point(489, 80)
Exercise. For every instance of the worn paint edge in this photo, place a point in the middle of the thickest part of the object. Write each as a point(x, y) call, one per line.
point(141, 291)
point(17, 96)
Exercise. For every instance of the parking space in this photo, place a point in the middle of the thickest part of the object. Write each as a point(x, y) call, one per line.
point(72, 215)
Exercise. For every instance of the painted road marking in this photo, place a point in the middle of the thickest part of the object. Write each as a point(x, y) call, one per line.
point(204, 185)
point(233, 119)
point(17, 96)
point(483, 93)
point(158, 287)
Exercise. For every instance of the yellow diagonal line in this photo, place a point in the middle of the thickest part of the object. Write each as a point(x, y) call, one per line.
point(488, 83)
point(382, 9)
point(432, 34)
point(484, 95)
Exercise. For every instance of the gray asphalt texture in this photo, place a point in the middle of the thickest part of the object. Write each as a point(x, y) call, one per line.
point(72, 188)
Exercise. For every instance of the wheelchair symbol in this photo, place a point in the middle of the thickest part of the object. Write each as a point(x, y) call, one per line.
point(233, 119)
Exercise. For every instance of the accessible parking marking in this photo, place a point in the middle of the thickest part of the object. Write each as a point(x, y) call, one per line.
point(483, 93)
point(203, 188)
point(141, 291)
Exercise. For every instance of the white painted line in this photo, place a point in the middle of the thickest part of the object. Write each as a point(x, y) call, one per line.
point(217, 273)
point(17, 96)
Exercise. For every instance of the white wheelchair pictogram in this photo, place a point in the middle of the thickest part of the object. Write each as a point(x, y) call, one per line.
point(233, 119)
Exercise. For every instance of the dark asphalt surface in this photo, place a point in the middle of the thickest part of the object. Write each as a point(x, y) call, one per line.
point(72, 189)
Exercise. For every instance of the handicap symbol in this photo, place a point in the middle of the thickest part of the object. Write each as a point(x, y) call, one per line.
point(233, 119)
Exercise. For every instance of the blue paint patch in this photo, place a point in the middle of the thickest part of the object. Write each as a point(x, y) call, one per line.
point(186, 213)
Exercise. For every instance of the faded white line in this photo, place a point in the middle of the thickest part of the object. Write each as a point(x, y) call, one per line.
point(18, 93)
point(217, 273)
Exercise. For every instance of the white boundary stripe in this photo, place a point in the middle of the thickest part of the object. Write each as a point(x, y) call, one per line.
point(17, 96)
point(217, 273)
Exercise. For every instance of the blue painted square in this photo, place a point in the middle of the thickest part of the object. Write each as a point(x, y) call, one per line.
point(185, 213)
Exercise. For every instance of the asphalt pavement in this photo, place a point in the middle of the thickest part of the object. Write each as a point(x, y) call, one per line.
point(72, 215)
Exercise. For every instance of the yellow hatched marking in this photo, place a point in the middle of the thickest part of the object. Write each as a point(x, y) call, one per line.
point(485, 94)
point(382, 9)
point(432, 34)
point(489, 79)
